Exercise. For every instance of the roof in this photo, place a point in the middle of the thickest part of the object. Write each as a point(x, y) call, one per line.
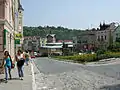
point(107, 26)
point(64, 41)
point(55, 47)
point(54, 43)
point(118, 27)
point(51, 35)
point(20, 7)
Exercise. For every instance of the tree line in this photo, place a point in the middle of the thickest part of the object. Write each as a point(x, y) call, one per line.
point(61, 32)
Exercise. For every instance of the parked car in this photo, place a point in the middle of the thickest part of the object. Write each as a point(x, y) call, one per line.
point(32, 56)
point(38, 55)
point(35, 53)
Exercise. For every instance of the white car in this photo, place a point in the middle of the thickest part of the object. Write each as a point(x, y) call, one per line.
point(35, 53)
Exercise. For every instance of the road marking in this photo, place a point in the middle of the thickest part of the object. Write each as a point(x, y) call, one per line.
point(33, 78)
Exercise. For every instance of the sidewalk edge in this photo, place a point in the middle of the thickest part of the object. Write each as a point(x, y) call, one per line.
point(33, 77)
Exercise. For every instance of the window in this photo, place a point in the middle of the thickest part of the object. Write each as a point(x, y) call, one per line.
point(105, 37)
point(98, 38)
point(19, 22)
point(102, 38)
point(79, 41)
point(116, 35)
point(85, 41)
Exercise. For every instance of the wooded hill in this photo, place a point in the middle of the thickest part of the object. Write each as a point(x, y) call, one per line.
point(61, 32)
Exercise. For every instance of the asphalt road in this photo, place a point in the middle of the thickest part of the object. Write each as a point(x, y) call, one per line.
point(49, 66)
point(104, 77)
point(108, 70)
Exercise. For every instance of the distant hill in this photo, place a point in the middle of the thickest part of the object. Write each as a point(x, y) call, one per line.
point(61, 32)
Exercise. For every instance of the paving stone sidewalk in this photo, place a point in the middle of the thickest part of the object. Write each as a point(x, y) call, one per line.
point(16, 83)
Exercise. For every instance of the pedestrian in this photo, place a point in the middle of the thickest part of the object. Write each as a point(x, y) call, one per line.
point(20, 58)
point(27, 57)
point(7, 65)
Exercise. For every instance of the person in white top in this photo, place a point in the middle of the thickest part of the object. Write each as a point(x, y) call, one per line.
point(20, 63)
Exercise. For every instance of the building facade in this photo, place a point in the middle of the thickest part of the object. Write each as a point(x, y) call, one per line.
point(86, 40)
point(31, 43)
point(8, 26)
point(19, 32)
point(51, 38)
point(116, 36)
point(104, 36)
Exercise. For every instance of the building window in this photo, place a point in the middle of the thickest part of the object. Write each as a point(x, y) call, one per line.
point(79, 41)
point(105, 37)
point(85, 41)
point(98, 38)
point(19, 22)
point(102, 38)
point(117, 35)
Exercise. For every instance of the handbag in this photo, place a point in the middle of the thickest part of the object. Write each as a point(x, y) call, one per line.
point(13, 65)
point(20, 62)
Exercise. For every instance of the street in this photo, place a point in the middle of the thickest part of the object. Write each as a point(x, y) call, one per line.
point(57, 75)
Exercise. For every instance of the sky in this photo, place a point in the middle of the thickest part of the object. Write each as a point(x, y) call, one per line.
point(74, 14)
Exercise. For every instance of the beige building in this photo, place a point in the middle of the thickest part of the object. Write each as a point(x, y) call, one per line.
point(19, 32)
point(104, 36)
point(8, 26)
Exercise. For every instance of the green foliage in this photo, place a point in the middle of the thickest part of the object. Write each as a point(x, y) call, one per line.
point(80, 58)
point(115, 47)
point(67, 51)
point(90, 57)
point(61, 33)
point(100, 51)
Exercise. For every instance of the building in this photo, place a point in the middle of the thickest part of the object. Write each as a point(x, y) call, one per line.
point(31, 43)
point(65, 41)
point(51, 38)
point(8, 26)
point(86, 40)
point(116, 36)
point(19, 30)
point(55, 48)
point(104, 35)
point(43, 42)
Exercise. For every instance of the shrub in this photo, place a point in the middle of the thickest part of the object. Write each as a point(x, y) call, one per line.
point(90, 57)
point(101, 51)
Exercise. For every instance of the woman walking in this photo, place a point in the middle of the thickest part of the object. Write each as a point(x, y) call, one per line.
point(7, 65)
point(20, 63)
point(27, 57)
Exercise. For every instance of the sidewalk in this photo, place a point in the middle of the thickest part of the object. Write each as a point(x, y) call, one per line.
point(16, 83)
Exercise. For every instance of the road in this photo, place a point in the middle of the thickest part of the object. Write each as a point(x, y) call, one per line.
point(57, 75)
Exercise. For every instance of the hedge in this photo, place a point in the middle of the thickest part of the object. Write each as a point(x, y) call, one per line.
point(90, 57)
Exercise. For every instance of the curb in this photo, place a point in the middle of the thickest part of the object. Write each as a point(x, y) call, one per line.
point(33, 77)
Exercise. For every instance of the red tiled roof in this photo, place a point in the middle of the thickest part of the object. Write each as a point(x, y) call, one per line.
point(65, 41)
